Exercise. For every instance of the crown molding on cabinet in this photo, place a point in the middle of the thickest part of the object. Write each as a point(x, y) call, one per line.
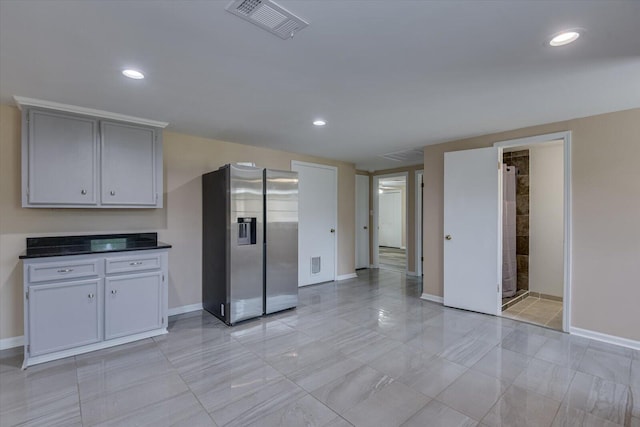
point(31, 102)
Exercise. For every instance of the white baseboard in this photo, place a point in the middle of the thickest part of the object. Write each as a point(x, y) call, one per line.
point(434, 298)
point(7, 343)
point(11, 342)
point(91, 347)
point(184, 309)
point(611, 339)
point(346, 276)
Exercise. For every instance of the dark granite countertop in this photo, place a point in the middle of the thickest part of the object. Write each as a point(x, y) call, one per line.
point(38, 247)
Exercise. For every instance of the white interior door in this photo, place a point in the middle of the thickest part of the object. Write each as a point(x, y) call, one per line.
point(471, 241)
point(390, 219)
point(362, 221)
point(317, 222)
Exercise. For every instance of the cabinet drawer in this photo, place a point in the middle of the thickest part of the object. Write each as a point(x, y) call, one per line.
point(133, 263)
point(58, 270)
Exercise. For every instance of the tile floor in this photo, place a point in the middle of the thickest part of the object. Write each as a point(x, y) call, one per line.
point(364, 352)
point(392, 258)
point(509, 301)
point(535, 310)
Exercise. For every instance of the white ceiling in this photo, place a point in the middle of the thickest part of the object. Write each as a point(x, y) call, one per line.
point(395, 182)
point(386, 75)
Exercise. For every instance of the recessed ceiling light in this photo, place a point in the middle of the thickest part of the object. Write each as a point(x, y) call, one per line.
point(133, 74)
point(564, 38)
point(319, 122)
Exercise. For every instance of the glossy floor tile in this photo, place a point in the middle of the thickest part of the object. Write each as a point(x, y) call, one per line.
point(520, 407)
point(473, 394)
point(363, 352)
point(436, 414)
point(392, 258)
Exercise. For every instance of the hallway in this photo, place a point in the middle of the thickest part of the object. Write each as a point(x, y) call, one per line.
point(394, 259)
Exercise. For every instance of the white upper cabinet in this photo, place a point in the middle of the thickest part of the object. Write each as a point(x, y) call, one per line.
point(63, 156)
point(129, 164)
point(80, 158)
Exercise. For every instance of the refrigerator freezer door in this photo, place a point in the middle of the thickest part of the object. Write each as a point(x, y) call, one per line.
point(281, 272)
point(246, 253)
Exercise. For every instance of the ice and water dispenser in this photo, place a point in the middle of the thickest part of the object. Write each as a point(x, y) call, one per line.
point(246, 231)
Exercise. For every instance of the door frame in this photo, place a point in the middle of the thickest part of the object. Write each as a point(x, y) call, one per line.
point(335, 212)
point(375, 261)
point(368, 220)
point(419, 177)
point(567, 250)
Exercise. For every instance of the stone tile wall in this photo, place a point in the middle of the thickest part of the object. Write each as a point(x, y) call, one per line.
point(520, 159)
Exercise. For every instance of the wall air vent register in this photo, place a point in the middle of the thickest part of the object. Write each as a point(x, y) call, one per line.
point(315, 265)
point(269, 16)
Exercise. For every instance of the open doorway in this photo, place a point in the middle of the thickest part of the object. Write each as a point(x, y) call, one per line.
point(533, 233)
point(390, 238)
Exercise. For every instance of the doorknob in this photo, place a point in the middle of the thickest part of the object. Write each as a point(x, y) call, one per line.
point(448, 237)
point(333, 230)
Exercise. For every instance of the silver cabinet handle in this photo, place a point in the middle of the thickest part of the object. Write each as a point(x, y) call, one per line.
point(83, 192)
point(91, 296)
point(65, 270)
point(448, 237)
point(333, 230)
point(114, 291)
point(135, 263)
point(113, 193)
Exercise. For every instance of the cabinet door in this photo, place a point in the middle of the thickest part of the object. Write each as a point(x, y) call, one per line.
point(133, 304)
point(62, 152)
point(64, 315)
point(128, 164)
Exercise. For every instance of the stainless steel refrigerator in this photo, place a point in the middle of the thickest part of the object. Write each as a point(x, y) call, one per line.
point(250, 242)
point(233, 243)
point(281, 240)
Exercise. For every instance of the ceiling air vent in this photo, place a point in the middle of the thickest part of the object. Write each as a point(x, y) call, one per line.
point(405, 155)
point(268, 15)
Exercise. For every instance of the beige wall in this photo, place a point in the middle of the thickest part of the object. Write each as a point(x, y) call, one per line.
point(546, 219)
point(606, 207)
point(186, 158)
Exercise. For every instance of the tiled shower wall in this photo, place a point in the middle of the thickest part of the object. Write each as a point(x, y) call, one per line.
point(520, 159)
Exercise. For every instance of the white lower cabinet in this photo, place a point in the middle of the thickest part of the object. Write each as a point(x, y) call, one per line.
point(66, 316)
point(133, 304)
